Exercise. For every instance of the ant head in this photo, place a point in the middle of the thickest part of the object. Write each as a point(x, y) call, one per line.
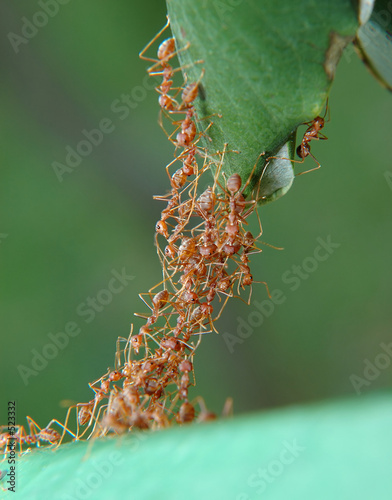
point(247, 279)
point(318, 123)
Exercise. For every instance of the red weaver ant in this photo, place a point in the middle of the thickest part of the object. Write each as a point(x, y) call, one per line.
point(312, 133)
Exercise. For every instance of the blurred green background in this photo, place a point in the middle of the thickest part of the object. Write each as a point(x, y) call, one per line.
point(60, 241)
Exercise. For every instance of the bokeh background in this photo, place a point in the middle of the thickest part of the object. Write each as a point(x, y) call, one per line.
point(60, 241)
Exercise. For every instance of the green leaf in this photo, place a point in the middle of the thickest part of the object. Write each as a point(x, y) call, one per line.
point(374, 42)
point(268, 68)
point(339, 450)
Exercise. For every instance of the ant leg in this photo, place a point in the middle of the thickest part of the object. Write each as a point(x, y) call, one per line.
point(97, 420)
point(56, 440)
point(175, 70)
point(33, 427)
point(227, 410)
point(266, 286)
point(65, 429)
point(253, 171)
point(299, 161)
point(143, 51)
point(117, 359)
point(312, 169)
point(223, 306)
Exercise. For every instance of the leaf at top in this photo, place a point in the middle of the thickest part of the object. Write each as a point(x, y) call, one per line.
point(374, 42)
point(268, 68)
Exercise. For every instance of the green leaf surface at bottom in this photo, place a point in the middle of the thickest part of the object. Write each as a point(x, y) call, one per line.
point(336, 450)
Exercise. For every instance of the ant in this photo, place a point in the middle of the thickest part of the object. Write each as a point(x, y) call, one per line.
point(185, 367)
point(47, 434)
point(18, 436)
point(313, 132)
point(166, 102)
point(166, 50)
point(186, 413)
point(159, 301)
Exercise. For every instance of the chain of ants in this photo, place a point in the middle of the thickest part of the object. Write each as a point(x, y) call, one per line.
point(205, 261)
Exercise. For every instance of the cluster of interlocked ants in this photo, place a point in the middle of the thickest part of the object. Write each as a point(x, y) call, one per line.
point(204, 248)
